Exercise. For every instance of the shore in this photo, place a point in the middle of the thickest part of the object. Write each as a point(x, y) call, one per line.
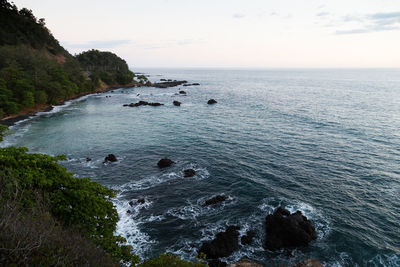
point(32, 111)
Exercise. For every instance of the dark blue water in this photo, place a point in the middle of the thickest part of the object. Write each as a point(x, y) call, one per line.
point(326, 142)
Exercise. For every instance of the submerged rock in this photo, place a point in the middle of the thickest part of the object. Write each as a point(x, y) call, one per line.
point(248, 238)
point(309, 263)
point(165, 162)
point(224, 244)
point(288, 230)
point(176, 103)
point(245, 263)
point(212, 101)
point(111, 158)
point(189, 173)
point(215, 200)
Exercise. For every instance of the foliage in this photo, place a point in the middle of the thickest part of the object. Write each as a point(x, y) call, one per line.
point(108, 66)
point(76, 202)
point(167, 260)
point(3, 131)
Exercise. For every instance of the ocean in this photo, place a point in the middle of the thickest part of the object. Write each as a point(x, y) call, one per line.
point(324, 141)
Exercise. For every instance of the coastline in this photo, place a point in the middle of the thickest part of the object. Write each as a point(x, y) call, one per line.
point(26, 113)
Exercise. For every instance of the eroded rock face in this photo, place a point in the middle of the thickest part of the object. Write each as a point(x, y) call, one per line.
point(212, 101)
point(110, 158)
point(245, 263)
point(189, 173)
point(215, 200)
point(164, 163)
point(288, 230)
point(224, 244)
point(309, 263)
point(177, 103)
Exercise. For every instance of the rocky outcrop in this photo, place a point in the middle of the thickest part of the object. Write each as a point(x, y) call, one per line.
point(182, 92)
point(176, 103)
point(168, 83)
point(248, 238)
point(288, 230)
point(224, 244)
point(189, 173)
point(164, 163)
point(245, 263)
point(110, 158)
point(309, 263)
point(191, 84)
point(215, 200)
point(143, 103)
point(216, 263)
point(212, 101)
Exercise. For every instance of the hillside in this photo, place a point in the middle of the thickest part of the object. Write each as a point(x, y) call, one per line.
point(36, 71)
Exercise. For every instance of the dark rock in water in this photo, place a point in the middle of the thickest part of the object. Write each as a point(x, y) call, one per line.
point(182, 92)
point(142, 103)
point(189, 173)
point(309, 263)
point(50, 108)
point(245, 263)
point(165, 162)
point(248, 238)
point(131, 203)
point(288, 230)
point(216, 263)
point(163, 80)
point(168, 83)
point(224, 244)
point(111, 158)
point(211, 101)
point(88, 159)
point(191, 84)
point(141, 201)
point(215, 200)
point(176, 103)
point(128, 211)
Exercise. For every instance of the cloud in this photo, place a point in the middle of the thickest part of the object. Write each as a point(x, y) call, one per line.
point(273, 14)
point(238, 16)
point(99, 44)
point(375, 22)
point(323, 14)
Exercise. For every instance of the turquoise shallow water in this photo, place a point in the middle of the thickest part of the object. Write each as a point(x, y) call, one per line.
point(326, 142)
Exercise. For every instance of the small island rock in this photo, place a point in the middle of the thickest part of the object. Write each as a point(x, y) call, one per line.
point(212, 101)
point(165, 162)
point(111, 158)
point(189, 173)
point(176, 103)
point(224, 244)
point(215, 200)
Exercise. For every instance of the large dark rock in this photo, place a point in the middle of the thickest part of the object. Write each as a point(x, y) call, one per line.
point(224, 244)
point(142, 103)
point(165, 162)
point(211, 101)
point(248, 238)
point(216, 263)
point(168, 83)
point(288, 230)
point(111, 158)
point(215, 200)
point(176, 103)
point(189, 173)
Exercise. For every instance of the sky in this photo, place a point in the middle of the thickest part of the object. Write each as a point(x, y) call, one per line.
point(230, 33)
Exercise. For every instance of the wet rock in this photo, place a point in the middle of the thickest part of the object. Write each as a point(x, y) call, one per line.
point(212, 101)
point(216, 263)
point(111, 158)
point(224, 244)
point(189, 173)
point(176, 103)
point(215, 200)
point(128, 211)
point(131, 203)
point(245, 263)
point(191, 84)
point(165, 162)
point(309, 263)
point(88, 159)
point(49, 108)
point(288, 230)
point(141, 201)
point(248, 238)
point(168, 83)
point(142, 103)
point(182, 92)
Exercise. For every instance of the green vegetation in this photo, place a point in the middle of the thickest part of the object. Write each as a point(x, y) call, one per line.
point(107, 66)
point(36, 70)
